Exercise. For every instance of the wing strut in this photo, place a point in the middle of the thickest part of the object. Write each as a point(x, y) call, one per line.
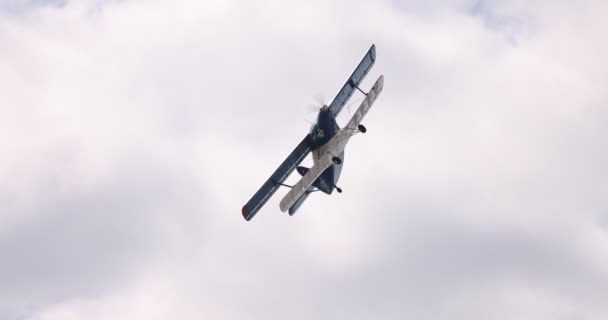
point(353, 81)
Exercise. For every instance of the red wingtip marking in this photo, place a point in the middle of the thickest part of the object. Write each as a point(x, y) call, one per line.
point(245, 213)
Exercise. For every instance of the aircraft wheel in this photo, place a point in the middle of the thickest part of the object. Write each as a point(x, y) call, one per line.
point(362, 128)
point(336, 160)
point(339, 190)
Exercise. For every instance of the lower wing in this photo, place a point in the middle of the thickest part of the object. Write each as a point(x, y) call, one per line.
point(301, 187)
point(366, 104)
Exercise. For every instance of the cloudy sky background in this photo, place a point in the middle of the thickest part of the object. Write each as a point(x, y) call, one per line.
point(132, 132)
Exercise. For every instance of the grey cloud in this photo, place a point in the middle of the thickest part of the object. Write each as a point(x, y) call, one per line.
point(88, 242)
point(21, 7)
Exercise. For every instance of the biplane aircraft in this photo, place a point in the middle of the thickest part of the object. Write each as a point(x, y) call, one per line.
point(326, 141)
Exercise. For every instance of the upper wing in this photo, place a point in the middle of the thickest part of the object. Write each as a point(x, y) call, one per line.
point(353, 81)
point(366, 104)
point(301, 187)
point(272, 184)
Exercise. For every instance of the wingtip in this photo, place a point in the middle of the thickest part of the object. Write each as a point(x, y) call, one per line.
point(284, 205)
point(380, 82)
point(372, 51)
point(245, 213)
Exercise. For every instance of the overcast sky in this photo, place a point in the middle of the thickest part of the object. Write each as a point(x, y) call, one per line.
point(133, 131)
